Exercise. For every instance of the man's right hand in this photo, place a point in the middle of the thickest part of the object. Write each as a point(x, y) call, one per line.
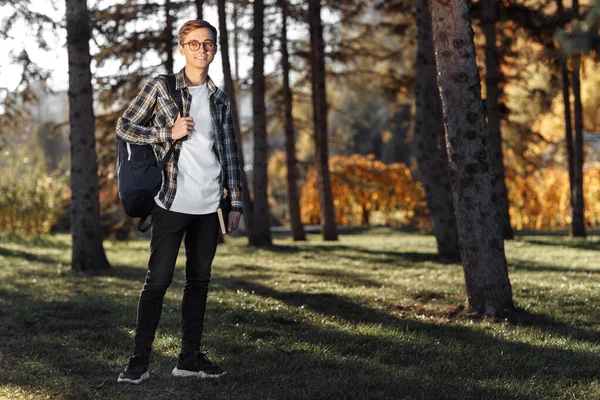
point(183, 126)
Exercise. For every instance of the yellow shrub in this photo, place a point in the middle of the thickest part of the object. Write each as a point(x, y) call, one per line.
point(30, 199)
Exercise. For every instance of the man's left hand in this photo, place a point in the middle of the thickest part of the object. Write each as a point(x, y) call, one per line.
point(234, 220)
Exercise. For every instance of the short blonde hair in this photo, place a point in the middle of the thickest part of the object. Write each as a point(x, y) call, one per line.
point(194, 24)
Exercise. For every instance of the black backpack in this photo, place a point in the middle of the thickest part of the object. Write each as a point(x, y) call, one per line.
point(139, 173)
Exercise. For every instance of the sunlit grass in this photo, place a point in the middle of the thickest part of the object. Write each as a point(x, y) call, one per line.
point(373, 316)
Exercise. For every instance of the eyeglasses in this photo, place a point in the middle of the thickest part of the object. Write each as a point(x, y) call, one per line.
point(195, 45)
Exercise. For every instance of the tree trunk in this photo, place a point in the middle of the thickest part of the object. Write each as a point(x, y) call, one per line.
point(230, 91)
point(319, 97)
point(199, 4)
point(431, 151)
point(568, 129)
point(88, 253)
point(578, 223)
point(236, 42)
point(492, 83)
point(290, 141)
point(261, 233)
point(168, 35)
point(564, 69)
point(482, 247)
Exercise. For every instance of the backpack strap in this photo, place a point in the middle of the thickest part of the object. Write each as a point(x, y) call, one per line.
point(146, 222)
point(175, 94)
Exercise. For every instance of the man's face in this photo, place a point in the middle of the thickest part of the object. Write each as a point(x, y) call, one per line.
point(199, 58)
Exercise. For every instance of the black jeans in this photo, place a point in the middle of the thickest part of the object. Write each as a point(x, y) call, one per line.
point(168, 229)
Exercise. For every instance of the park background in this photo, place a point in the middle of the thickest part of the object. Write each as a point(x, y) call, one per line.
point(360, 157)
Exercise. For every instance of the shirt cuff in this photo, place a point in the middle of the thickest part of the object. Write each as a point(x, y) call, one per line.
point(163, 135)
point(236, 205)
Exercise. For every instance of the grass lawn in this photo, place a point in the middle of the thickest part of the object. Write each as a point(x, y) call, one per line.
point(372, 316)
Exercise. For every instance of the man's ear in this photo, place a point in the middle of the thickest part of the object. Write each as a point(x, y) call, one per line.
point(180, 47)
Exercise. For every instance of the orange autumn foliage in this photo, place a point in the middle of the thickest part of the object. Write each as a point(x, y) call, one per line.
point(540, 201)
point(362, 186)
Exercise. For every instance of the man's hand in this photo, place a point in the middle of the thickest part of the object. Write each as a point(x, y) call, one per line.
point(182, 127)
point(234, 220)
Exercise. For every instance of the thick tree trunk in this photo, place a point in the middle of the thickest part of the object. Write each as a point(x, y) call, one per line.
point(290, 141)
point(319, 96)
point(492, 83)
point(482, 246)
point(88, 253)
point(168, 35)
point(199, 4)
point(230, 91)
point(578, 223)
point(429, 129)
point(261, 233)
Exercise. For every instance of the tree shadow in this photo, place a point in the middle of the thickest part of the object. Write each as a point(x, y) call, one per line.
point(534, 266)
point(282, 353)
point(477, 358)
point(40, 241)
point(360, 253)
point(28, 256)
point(574, 243)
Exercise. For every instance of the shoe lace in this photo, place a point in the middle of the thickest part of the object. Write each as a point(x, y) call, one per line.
point(201, 357)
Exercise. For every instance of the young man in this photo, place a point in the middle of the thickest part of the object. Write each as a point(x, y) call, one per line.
point(204, 161)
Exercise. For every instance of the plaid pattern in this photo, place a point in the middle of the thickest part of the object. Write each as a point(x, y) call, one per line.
point(149, 118)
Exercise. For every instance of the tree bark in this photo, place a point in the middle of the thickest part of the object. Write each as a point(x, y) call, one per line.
point(230, 91)
point(199, 4)
point(236, 42)
point(319, 97)
point(492, 83)
point(482, 246)
point(564, 69)
point(290, 141)
point(261, 233)
point(578, 222)
point(88, 253)
point(431, 151)
point(168, 35)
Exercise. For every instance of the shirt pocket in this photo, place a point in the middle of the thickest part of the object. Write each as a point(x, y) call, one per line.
point(167, 109)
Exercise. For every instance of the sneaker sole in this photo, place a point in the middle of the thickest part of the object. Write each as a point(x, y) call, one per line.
point(183, 373)
point(145, 376)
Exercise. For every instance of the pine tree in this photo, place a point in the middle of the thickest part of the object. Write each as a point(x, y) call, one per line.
point(482, 247)
point(88, 254)
point(261, 233)
point(429, 129)
point(319, 97)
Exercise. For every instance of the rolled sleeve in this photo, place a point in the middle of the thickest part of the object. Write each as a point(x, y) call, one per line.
point(133, 126)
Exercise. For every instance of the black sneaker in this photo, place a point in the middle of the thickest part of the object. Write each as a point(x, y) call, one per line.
point(136, 370)
point(198, 365)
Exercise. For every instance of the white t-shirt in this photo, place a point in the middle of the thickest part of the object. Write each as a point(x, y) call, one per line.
point(199, 171)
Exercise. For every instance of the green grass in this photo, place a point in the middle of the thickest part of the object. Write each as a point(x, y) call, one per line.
point(372, 316)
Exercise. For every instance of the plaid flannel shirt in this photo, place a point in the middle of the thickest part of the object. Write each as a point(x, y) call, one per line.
point(150, 117)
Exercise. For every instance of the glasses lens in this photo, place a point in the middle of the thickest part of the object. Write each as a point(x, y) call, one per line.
point(208, 46)
point(194, 45)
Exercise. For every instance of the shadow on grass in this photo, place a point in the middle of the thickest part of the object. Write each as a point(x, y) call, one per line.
point(534, 266)
point(453, 362)
point(359, 253)
point(43, 241)
point(75, 349)
point(337, 306)
point(574, 243)
point(28, 256)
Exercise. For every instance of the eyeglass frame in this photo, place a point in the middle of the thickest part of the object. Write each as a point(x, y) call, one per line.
point(200, 44)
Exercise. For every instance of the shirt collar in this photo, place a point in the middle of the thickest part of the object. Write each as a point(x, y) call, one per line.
point(180, 82)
